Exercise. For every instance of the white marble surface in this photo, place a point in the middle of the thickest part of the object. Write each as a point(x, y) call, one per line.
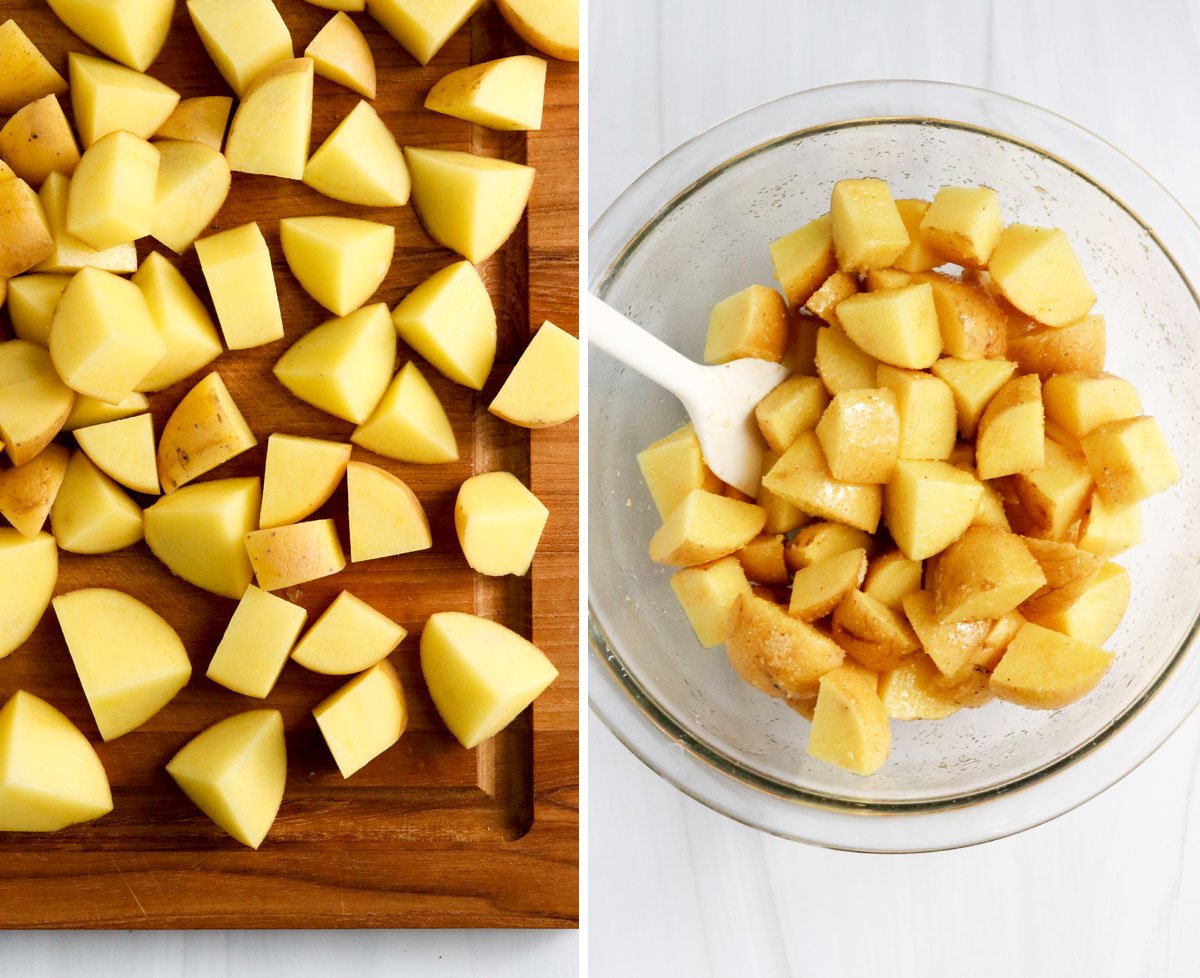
point(1111, 889)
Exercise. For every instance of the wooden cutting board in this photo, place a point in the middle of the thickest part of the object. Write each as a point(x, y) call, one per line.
point(428, 834)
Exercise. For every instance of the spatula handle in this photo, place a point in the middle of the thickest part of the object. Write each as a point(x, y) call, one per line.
point(623, 339)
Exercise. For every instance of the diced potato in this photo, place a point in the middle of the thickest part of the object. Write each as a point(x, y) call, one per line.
point(30, 568)
point(917, 257)
point(751, 323)
point(182, 321)
point(124, 451)
point(350, 636)
point(32, 300)
point(1069, 572)
point(971, 324)
point(820, 541)
point(860, 435)
point(824, 302)
point(130, 662)
point(235, 772)
point(1080, 403)
point(90, 513)
point(707, 595)
point(762, 559)
point(285, 556)
point(363, 718)
point(193, 182)
point(803, 260)
point(237, 267)
point(273, 122)
point(199, 120)
point(673, 467)
point(973, 383)
point(1046, 350)
point(705, 527)
point(499, 523)
point(1054, 497)
point(480, 674)
point(986, 573)
point(410, 423)
point(950, 645)
point(907, 692)
point(850, 725)
point(551, 26)
point(782, 516)
point(840, 363)
point(38, 141)
point(868, 231)
point(340, 261)
point(776, 653)
point(543, 389)
point(25, 74)
point(928, 505)
point(205, 430)
point(131, 33)
point(27, 491)
point(991, 510)
point(360, 163)
point(386, 518)
point(794, 406)
point(299, 477)
point(890, 577)
point(899, 327)
point(243, 38)
point(68, 253)
point(107, 97)
point(819, 588)
point(422, 28)
point(1107, 530)
point(883, 279)
point(1043, 670)
point(344, 366)
point(925, 405)
point(256, 644)
point(1012, 430)
point(1130, 460)
point(25, 236)
point(89, 411)
point(34, 403)
point(1037, 271)
point(111, 198)
point(802, 477)
point(1095, 613)
point(504, 94)
point(340, 53)
point(963, 225)
point(871, 632)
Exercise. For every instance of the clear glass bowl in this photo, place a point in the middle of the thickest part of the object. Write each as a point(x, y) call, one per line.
point(694, 229)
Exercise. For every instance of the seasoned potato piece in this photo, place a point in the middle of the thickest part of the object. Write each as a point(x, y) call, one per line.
point(1080, 403)
point(751, 323)
point(1012, 430)
point(928, 505)
point(802, 477)
point(972, 325)
point(1109, 530)
point(782, 516)
point(1037, 271)
point(899, 326)
point(850, 726)
point(794, 406)
point(1045, 350)
point(991, 510)
point(908, 693)
point(707, 595)
point(973, 383)
point(871, 632)
point(801, 355)
point(705, 527)
point(803, 260)
point(860, 435)
point(1069, 572)
point(963, 225)
point(890, 577)
point(1044, 670)
point(820, 541)
point(1095, 614)
point(785, 656)
point(824, 302)
point(1053, 498)
point(840, 363)
point(762, 559)
point(1130, 460)
point(820, 587)
point(951, 645)
point(928, 421)
point(917, 257)
point(881, 279)
point(673, 466)
point(985, 573)
point(868, 231)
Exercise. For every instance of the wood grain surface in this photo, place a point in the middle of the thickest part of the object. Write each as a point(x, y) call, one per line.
point(428, 834)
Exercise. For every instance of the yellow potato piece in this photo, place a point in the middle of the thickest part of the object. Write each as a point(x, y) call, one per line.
point(386, 518)
point(272, 126)
point(285, 556)
point(973, 383)
point(27, 491)
point(985, 573)
point(243, 38)
point(917, 257)
point(205, 430)
point(1107, 530)
point(182, 321)
point(237, 267)
point(890, 577)
point(360, 163)
point(899, 326)
point(1080, 403)
point(129, 31)
point(971, 323)
point(1078, 347)
point(25, 74)
point(32, 299)
point(25, 234)
point(89, 410)
point(350, 636)
point(794, 406)
point(963, 225)
point(363, 718)
point(762, 559)
point(409, 423)
point(199, 120)
point(30, 566)
point(1037, 271)
point(950, 645)
point(193, 182)
point(340, 53)
point(505, 94)
point(68, 253)
point(421, 27)
point(256, 644)
point(551, 26)
point(34, 403)
point(850, 725)
point(673, 466)
point(499, 523)
point(820, 541)
point(1095, 613)
point(124, 451)
point(1054, 497)
point(820, 587)
point(543, 389)
point(109, 97)
point(340, 261)
point(779, 655)
point(803, 260)
point(1130, 460)
point(90, 514)
point(908, 693)
point(38, 141)
point(751, 323)
point(1011, 437)
point(838, 287)
point(841, 363)
point(1043, 670)
point(868, 231)
point(871, 632)
point(860, 435)
point(925, 405)
point(299, 477)
point(802, 477)
point(707, 595)
point(705, 527)
point(111, 198)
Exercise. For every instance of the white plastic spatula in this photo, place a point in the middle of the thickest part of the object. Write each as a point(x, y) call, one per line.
point(720, 399)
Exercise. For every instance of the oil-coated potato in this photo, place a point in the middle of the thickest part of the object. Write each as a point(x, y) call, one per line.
point(986, 573)
point(1044, 670)
point(850, 725)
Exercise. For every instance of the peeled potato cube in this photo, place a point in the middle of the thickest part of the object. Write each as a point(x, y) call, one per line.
point(673, 467)
point(1094, 614)
point(350, 636)
point(285, 556)
point(950, 645)
point(108, 97)
point(30, 566)
point(1037, 271)
point(505, 94)
point(256, 643)
point(882, 279)
point(38, 141)
point(802, 477)
point(27, 491)
point(25, 234)
point(124, 451)
point(985, 573)
point(363, 718)
point(34, 403)
point(499, 523)
point(971, 324)
point(1078, 347)
point(820, 587)
point(111, 197)
point(237, 267)
point(860, 435)
point(1055, 496)
point(199, 120)
point(25, 74)
point(205, 430)
point(803, 260)
point(90, 514)
point(850, 725)
point(928, 505)
point(763, 561)
point(1043, 670)
point(899, 326)
point(193, 182)
point(272, 125)
point(89, 411)
point(543, 389)
point(925, 405)
point(838, 287)
point(340, 261)
point(1069, 573)
point(918, 256)
point(890, 577)
point(409, 424)
point(963, 225)
point(480, 674)
point(704, 527)
point(235, 771)
point(707, 595)
point(130, 662)
point(776, 653)
point(820, 541)
point(871, 632)
point(841, 363)
point(299, 477)
point(1130, 460)
point(868, 231)
point(1108, 530)
point(908, 691)
point(182, 321)
point(360, 163)
point(1080, 403)
point(340, 53)
point(782, 516)
point(243, 37)
point(973, 383)
point(131, 33)
point(386, 518)
point(32, 300)
point(794, 406)
point(1012, 430)
point(422, 28)
point(551, 26)
point(750, 323)
point(199, 533)
point(68, 253)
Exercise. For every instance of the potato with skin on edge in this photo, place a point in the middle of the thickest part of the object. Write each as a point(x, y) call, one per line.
point(704, 527)
point(110, 201)
point(822, 540)
point(89, 410)
point(409, 424)
point(963, 225)
point(824, 302)
point(1106, 530)
point(132, 32)
point(1080, 403)
point(917, 257)
point(107, 97)
point(543, 389)
point(25, 74)
point(363, 718)
point(193, 182)
point(899, 326)
point(868, 231)
point(182, 321)
point(30, 565)
point(256, 643)
point(25, 234)
point(1012, 429)
point(360, 163)
point(299, 477)
point(68, 253)
point(794, 406)
point(871, 632)
point(949, 645)
point(973, 383)
point(199, 120)
point(860, 435)
point(1043, 670)
point(971, 323)
point(802, 477)
point(850, 726)
point(32, 299)
point(340, 53)
point(925, 405)
point(350, 636)
point(1038, 272)
point(421, 27)
point(707, 595)
point(272, 126)
point(386, 517)
point(38, 141)
point(841, 363)
point(908, 691)
point(499, 523)
point(285, 556)
point(985, 573)
point(819, 588)
point(1095, 613)
point(803, 259)
point(928, 505)
point(551, 26)
point(505, 94)
point(1130, 460)
point(890, 577)
point(27, 491)
point(34, 402)
point(674, 466)
point(340, 261)
point(1078, 347)
point(750, 323)
point(786, 656)
point(205, 430)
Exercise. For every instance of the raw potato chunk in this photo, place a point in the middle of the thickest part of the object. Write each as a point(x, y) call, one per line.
point(1037, 271)
point(986, 573)
point(1107, 530)
point(1069, 573)
point(505, 94)
point(235, 773)
point(780, 655)
point(199, 120)
point(243, 37)
point(360, 163)
point(30, 566)
point(1096, 612)
point(899, 326)
point(90, 514)
point(34, 403)
point(802, 477)
point(449, 320)
point(950, 645)
point(32, 300)
point(38, 141)
point(860, 435)
point(469, 203)
point(349, 637)
point(963, 225)
point(52, 777)
point(199, 533)
point(673, 467)
point(752, 323)
point(925, 406)
point(928, 505)
point(107, 97)
point(882, 279)
point(27, 491)
point(68, 253)
point(1012, 430)
point(820, 541)
point(551, 26)
point(1054, 497)
point(129, 31)
point(917, 257)
point(820, 587)
point(890, 577)
point(25, 74)
point(182, 321)
point(1130, 460)
point(973, 383)
point(908, 691)
point(340, 261)
point(89, 411)
point(386, 518)
point(421, 27)
point(363, 718)
point(124, 451)
point(838, 287)
point(111, 198)
point(410, 423)
point(707, 595)
point(499, 523)
point(273, 123)
point(285, 556)
point(340, 53)
point(1043, 670)
point(868, 231)
point(193, 182)
point(480, 674)
point(803, 260)
point(237, 267)
point(543, 389)
point(256, 643)
point(840, 363)
point(971, 323)
point(205, 430)
point(794, 406)
point(25, 234)
point(1080, 403)
point(300, 476)
point(1045, 350)
point(871, 632)
point(705, 527)
point(762, 559)
point(850, 726)
point(130, 662)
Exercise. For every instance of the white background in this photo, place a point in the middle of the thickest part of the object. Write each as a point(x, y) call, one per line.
point(1110, 890)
